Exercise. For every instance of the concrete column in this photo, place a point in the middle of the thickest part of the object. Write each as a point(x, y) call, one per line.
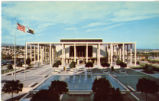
point(135, 54)
point(111, 57)
point(44, 54)
point(98, 56)
point(41, 60)
point(63, 55)
point(86, 52)
point(74, 52)
point(123, 53)
point(130, 54)
point(50, 55)
point(107, 52)
point(120, 53)
point(31, 52)
point(34, 54)
point(38, 52)
point(127, 52)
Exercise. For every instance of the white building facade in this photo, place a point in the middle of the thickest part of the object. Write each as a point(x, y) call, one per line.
point(81, 51)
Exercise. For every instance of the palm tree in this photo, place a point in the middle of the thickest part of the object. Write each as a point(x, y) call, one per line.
point(13, 86)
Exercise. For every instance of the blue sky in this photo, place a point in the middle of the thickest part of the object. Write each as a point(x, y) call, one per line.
point(112, 21)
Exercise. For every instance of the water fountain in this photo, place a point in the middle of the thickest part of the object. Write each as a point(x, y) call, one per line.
point(85, 72)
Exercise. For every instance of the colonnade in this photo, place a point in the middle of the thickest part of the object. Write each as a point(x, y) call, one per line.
point(45, 52)
point(42, 53)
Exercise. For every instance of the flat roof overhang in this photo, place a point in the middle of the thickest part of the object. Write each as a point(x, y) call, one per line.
point(81, 40)
point(80, 43)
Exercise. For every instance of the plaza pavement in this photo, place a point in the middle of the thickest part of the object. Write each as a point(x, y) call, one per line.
point(29, 78)
point(39, 74)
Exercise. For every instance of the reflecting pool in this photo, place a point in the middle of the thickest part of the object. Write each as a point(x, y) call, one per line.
point(79, 82)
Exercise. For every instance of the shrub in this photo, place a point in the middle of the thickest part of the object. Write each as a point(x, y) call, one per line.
point(105, 64)
point(72, 64)
point(57, 63)
point(153, 61)
point(104, 59)
point(28, 61)
point(19, 64)
point(138, 62)
point(89, 64)
point(122, 64)
point(10, 67)
point(148, 69)
point(118, 62)
point(81, 61)
point(112, 68)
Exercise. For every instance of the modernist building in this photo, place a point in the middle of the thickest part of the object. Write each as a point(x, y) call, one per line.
point(81, 50)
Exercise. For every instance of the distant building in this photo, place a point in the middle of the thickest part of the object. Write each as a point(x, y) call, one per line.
point(81, 50)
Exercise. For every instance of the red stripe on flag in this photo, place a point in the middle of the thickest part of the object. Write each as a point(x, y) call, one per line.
point(20, 27)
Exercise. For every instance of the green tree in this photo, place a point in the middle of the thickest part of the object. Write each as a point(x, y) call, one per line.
point(58, 86)
point(101, 88)
point(116, 95)
point(13, 86)
point(53, 93)
point(144, 84)
point(45, 95)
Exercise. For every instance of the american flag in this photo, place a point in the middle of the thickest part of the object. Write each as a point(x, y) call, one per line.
point(20, 27)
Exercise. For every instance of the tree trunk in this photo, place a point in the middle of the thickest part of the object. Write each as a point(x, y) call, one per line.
point(146, 96)
point(12, 96)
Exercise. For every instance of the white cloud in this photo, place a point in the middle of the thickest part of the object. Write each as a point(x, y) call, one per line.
point(71, 28)
point(41, 15)
point(101, 29)
point(95, 24)
point(136, 11)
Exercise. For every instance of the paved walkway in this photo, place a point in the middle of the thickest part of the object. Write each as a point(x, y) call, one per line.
point(29, 78)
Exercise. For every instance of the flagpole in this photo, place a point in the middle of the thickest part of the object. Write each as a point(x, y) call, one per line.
point(25, 60)
point(14, 56)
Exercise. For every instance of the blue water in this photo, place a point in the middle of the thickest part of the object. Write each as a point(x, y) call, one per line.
point(78, 82)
